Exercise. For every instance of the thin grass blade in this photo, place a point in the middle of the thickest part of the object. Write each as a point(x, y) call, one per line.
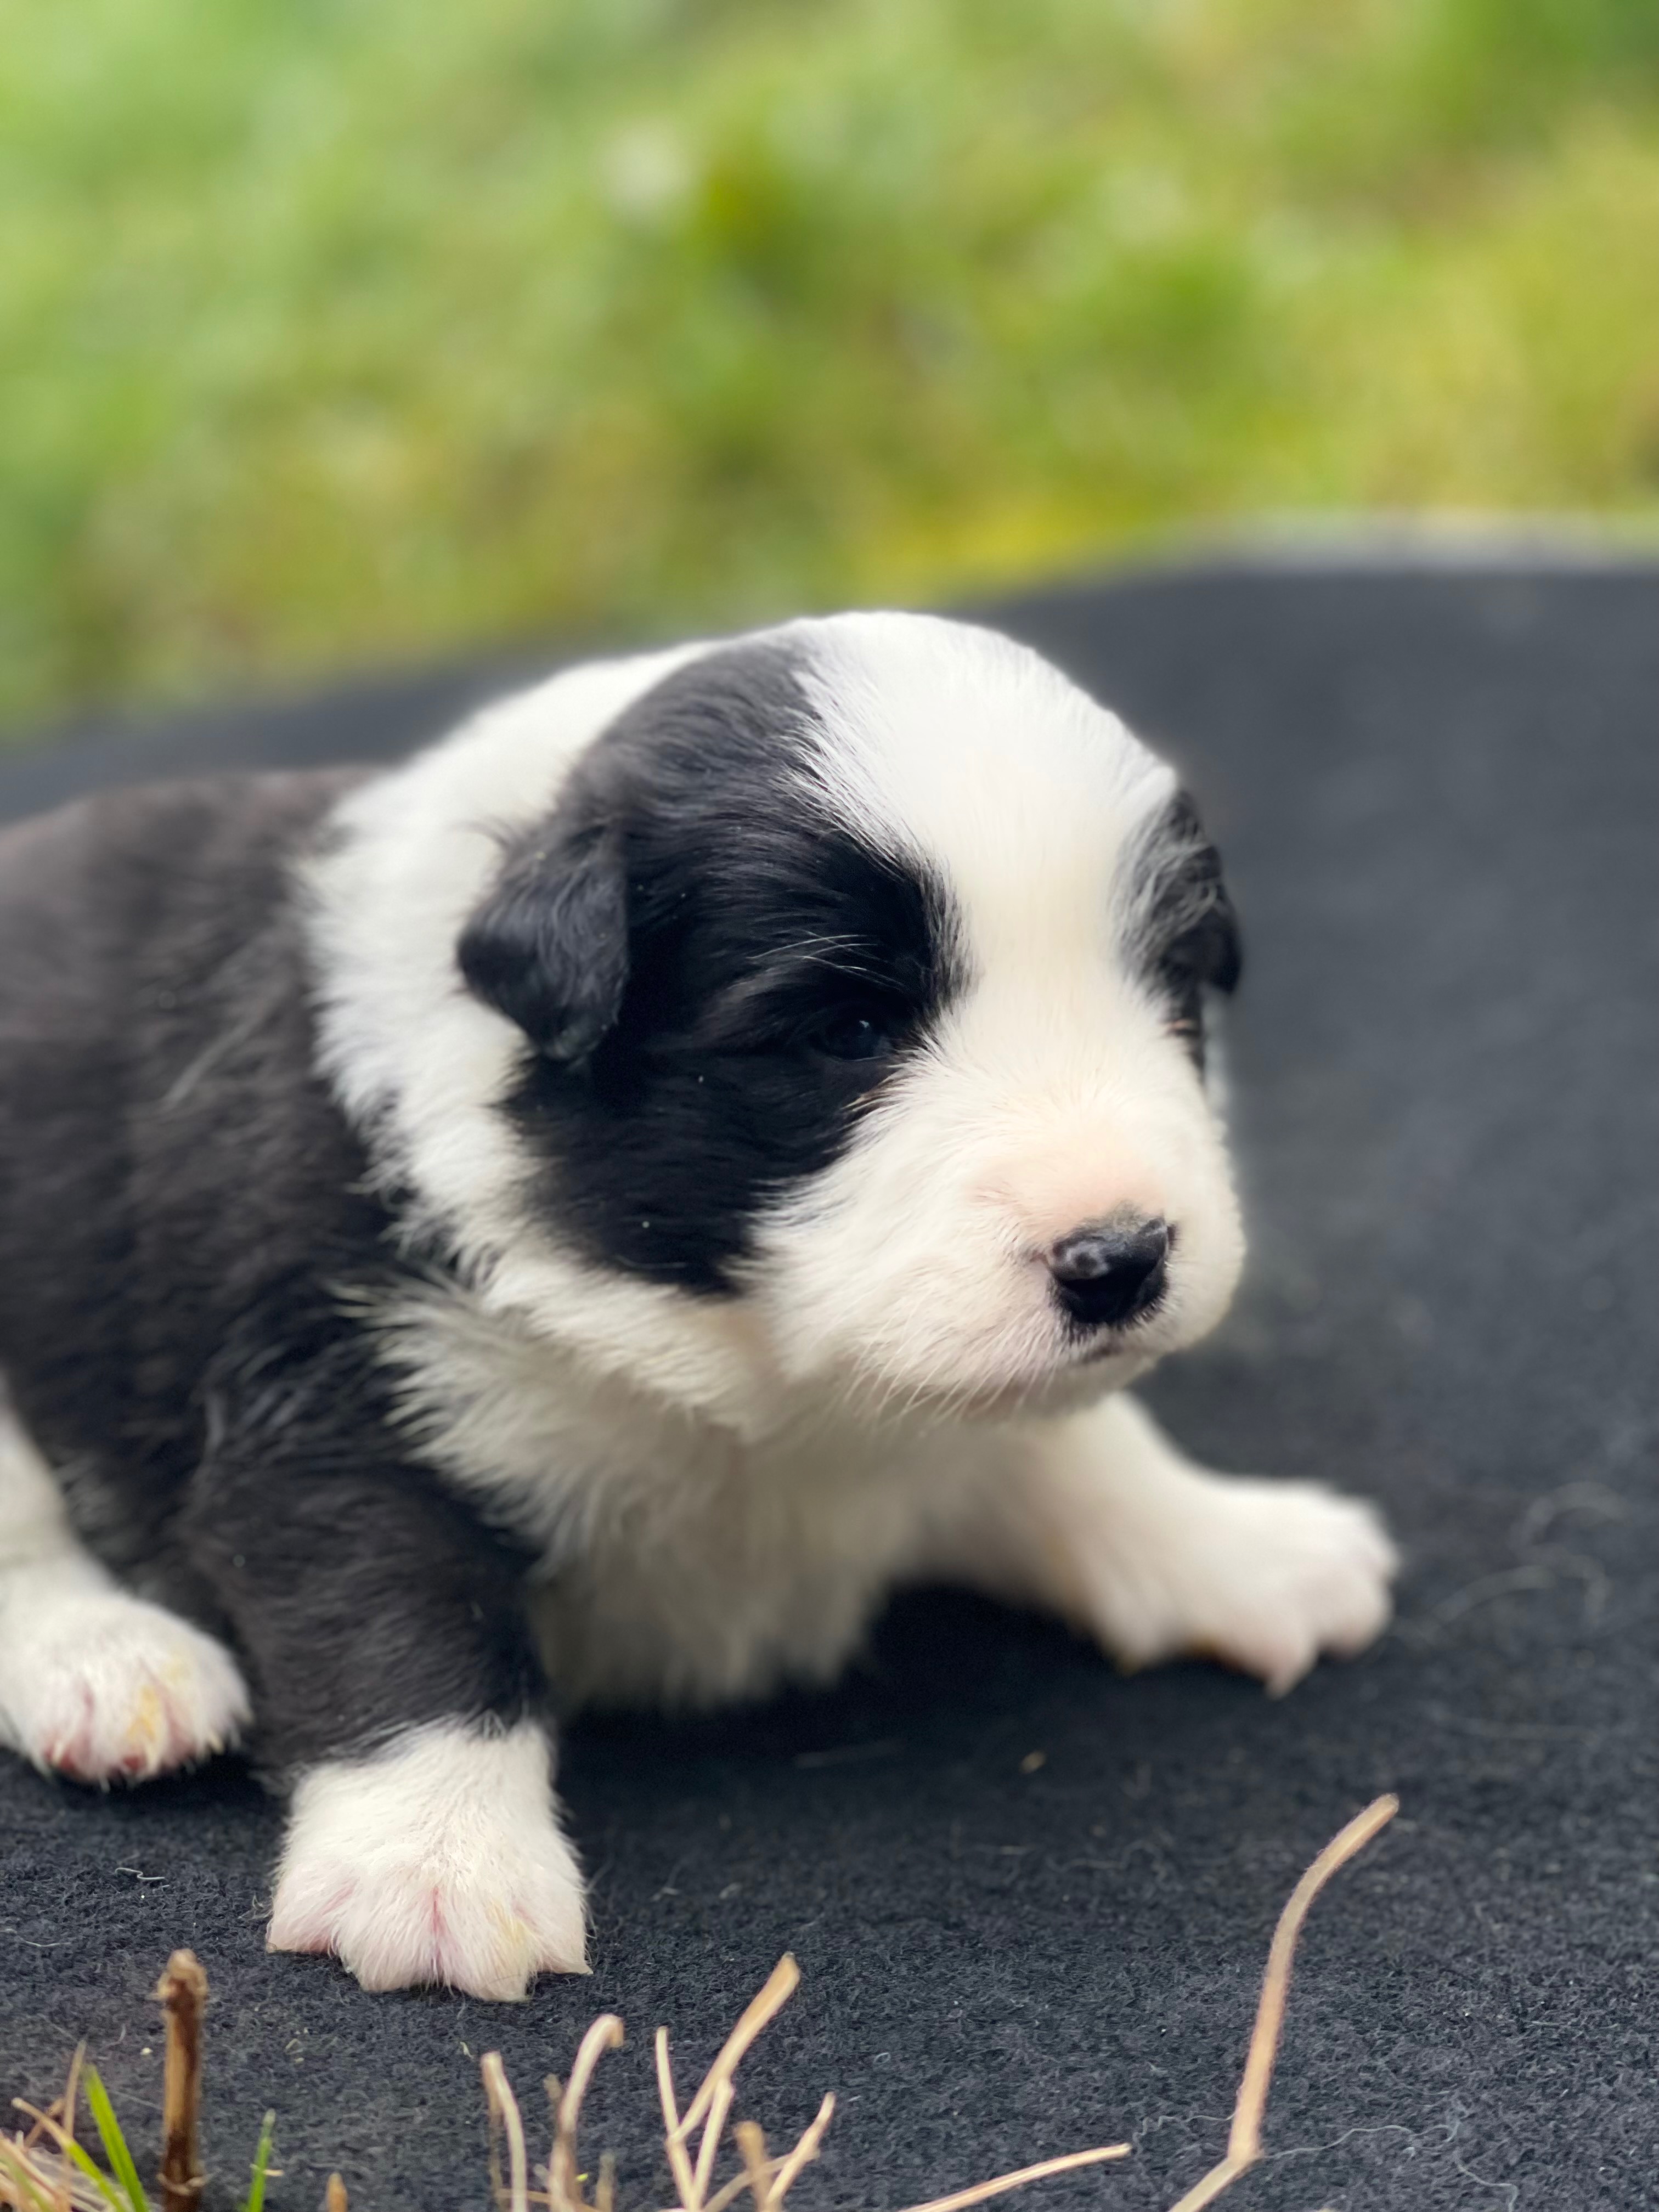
point(115, 2142)
point(254, 2201)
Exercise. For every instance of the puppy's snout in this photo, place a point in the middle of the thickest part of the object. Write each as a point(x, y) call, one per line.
point(1109, 1272)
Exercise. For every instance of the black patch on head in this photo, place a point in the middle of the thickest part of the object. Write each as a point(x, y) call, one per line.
point(1187, 933)
point(717, 975)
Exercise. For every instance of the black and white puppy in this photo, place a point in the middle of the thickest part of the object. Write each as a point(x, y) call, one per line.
point(583, 1215)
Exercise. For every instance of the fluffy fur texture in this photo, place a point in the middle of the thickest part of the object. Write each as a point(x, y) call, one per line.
point(583, 1216)
point(439, 1860)
point(95, 1683)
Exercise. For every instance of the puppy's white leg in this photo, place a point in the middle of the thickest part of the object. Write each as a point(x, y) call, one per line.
point(1155, 1556)
point(438, 1859)
point(96, 1684)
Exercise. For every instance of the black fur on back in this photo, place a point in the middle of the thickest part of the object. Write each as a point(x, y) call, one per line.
point(181, 1204)
point(166, 1154)
point(716, 974)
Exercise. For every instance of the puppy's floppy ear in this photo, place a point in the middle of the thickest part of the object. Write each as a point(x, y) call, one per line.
point(549, 946)
point(1191, 930)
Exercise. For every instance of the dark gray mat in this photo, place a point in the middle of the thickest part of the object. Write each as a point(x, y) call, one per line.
point(1435, 790)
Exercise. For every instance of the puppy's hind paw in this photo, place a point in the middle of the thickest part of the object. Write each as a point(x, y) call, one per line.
point(440, 1861)
point(114, 1689)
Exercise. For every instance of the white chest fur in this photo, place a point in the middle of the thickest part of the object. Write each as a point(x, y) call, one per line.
point(681, 1561)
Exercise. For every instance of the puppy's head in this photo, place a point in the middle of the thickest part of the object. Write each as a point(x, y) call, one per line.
point(863, 966)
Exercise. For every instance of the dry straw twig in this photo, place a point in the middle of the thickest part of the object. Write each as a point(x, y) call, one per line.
point(692, 2160)
point(563, 2184)
point(182, 1992)
point(34, 2178)
point(1245, 2138)
point(505, 2118)
point(768, 2179)
point(46, 2170)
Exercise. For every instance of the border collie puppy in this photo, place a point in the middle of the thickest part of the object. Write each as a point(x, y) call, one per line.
point(582, 1216)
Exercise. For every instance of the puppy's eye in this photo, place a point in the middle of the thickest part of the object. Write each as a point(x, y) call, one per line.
point(851, 1035)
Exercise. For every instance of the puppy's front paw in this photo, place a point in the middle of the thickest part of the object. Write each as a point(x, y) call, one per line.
point(437, 1861)
point(1262, 1576)
point(111, 1688)
point(1305, 1571)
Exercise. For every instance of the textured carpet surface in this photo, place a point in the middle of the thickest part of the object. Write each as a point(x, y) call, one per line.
point(1435, 790)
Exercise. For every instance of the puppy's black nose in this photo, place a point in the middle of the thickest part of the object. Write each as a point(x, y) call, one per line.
point(1109, 1272)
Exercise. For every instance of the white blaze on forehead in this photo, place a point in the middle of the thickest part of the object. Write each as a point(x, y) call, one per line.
point(1052, 1092)
point(978, 756)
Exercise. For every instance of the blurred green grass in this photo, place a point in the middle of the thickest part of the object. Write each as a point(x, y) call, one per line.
point(336, 330)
